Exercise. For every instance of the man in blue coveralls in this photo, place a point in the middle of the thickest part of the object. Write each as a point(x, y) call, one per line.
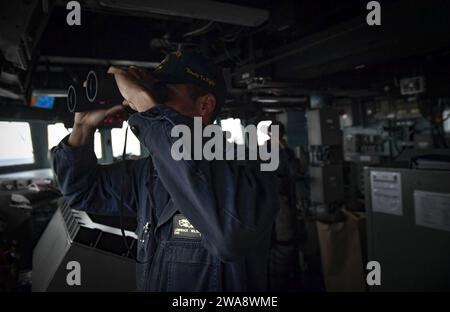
point(202, 225)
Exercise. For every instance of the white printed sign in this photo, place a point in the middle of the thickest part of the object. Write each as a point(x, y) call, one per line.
point(386, 192)
point(432, 210)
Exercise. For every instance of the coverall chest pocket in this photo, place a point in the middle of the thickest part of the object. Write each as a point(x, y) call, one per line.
point(192, 268)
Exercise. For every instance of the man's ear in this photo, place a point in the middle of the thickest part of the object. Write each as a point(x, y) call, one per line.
point(207, 105)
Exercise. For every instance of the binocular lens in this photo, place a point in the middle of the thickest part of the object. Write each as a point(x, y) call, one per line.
point(71, 99)
point(91, 86)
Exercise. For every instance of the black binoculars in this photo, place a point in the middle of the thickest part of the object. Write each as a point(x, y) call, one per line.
point(99, 91)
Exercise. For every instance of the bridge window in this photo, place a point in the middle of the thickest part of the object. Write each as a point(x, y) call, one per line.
point(16, 147)
point(57, 132)
point(118, 139)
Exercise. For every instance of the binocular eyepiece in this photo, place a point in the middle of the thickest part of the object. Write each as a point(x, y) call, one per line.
point(99, 91)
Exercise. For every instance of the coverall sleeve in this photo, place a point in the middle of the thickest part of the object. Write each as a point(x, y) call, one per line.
point(91, 187)
point(231, 204)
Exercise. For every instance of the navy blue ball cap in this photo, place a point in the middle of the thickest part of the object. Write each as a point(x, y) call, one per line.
point(182, 67)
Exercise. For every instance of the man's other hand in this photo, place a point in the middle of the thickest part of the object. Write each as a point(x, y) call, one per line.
point(92, 119)
point(85, 123)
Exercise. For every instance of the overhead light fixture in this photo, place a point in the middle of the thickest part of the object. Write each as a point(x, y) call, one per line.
point(57, 93)
point(265, 100)
point(200, 9)
point(271, 100)
point(272, 110)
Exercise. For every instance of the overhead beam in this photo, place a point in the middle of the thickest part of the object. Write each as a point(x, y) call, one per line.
point(47, 59)
point(199, 9)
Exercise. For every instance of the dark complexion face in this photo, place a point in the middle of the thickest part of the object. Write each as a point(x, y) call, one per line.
point(182, 102)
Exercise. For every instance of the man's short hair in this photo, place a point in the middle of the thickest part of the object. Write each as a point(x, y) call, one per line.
point(194, 93)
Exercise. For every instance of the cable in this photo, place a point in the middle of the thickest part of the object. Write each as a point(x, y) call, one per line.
point(199, 31)
point(123, 194)
point(229, 37)
point(236, 60)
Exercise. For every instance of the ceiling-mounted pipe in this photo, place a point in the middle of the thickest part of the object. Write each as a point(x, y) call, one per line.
point(199, 9)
